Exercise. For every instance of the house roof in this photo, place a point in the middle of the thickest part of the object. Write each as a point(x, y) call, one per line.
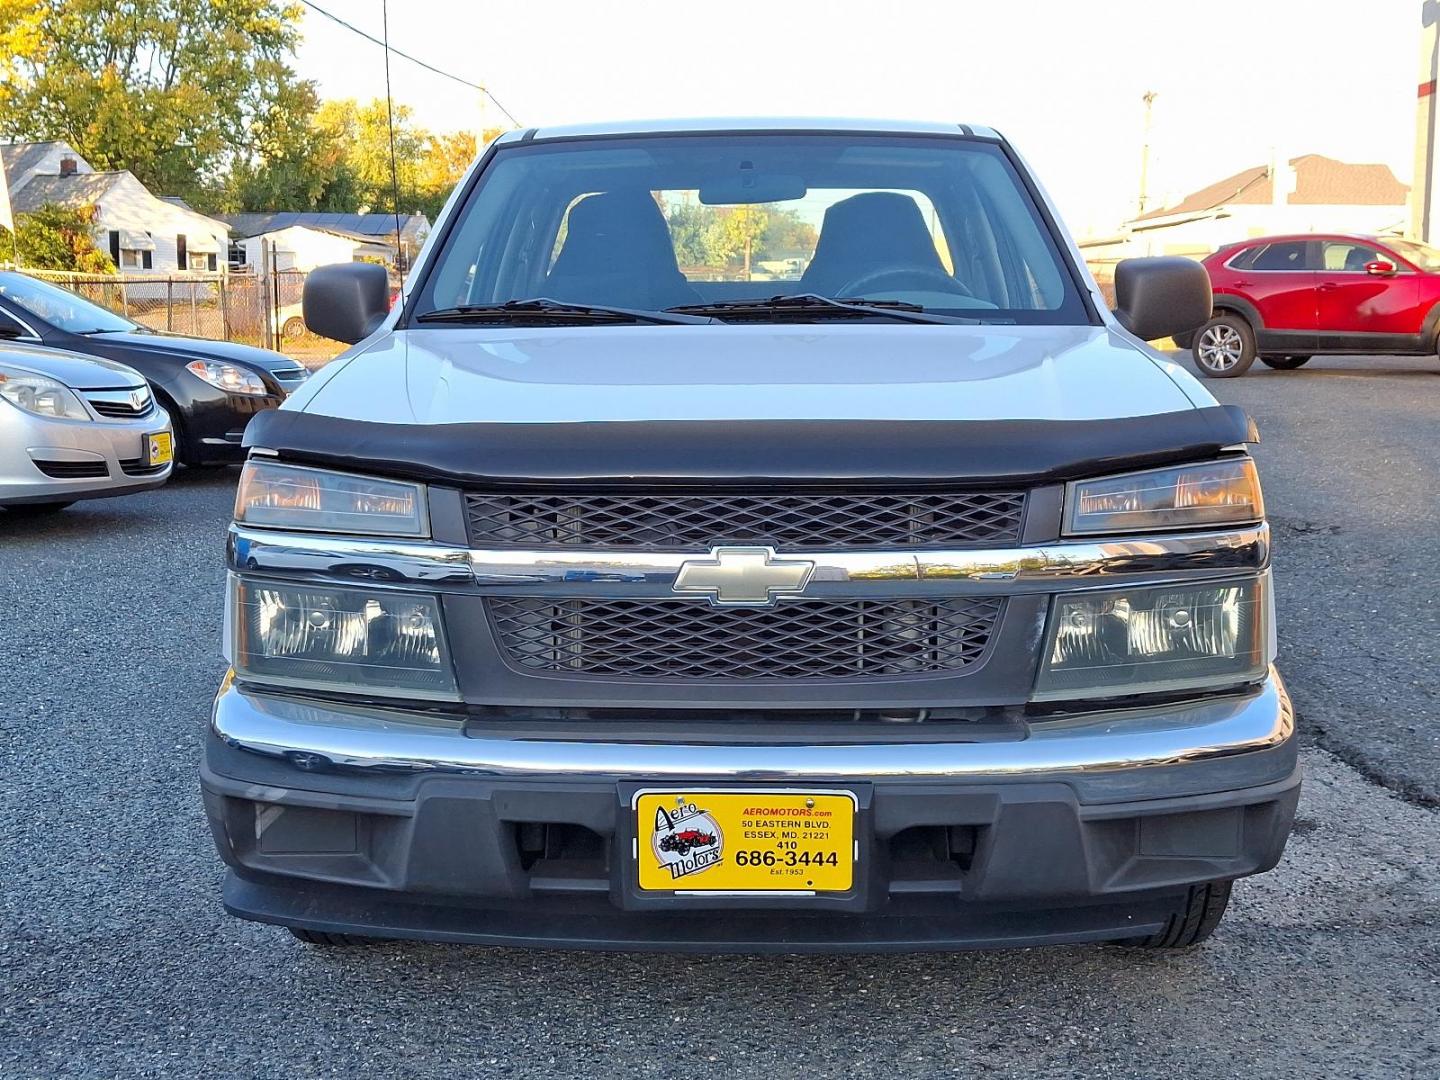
point(344, 234)
point(1319, 180)
point(18, 158)
point(78, 189)
point(366, 226)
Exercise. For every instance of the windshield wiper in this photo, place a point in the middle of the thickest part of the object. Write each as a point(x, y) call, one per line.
point(814, 303)
point(517, 310)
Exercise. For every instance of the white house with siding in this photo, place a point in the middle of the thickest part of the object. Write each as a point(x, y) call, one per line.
point(142, 233)
point(304, 247)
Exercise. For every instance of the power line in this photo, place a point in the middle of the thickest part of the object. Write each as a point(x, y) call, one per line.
point(414, 60)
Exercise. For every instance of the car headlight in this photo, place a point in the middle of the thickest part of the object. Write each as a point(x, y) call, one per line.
point(227, 377)
point(343, 639)
point(1225, 492)
point(1171, 637)
point(40, 394)
point(295, 497)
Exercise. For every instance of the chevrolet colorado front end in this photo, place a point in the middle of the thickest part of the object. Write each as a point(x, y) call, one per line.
point(758, 521)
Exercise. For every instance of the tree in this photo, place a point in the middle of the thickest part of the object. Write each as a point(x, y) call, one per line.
point(171, 90)
point(736, 231)
point(59, 238)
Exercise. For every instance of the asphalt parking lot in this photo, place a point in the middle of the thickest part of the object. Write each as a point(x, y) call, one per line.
point(117, 961)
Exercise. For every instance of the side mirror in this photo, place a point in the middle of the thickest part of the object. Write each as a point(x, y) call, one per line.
point(1161, 297)
point(1380, 268)
point(346, 301)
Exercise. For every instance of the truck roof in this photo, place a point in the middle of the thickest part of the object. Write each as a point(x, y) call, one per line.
point(746, 123)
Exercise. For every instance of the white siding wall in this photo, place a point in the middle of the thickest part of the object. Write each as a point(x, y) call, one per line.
point(299, 248)
point(129, 206)
point(1245, 222)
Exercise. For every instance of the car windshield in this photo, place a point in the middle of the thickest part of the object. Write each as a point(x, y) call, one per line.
point(701, 222)
point(59, 307)
point(1422, 256)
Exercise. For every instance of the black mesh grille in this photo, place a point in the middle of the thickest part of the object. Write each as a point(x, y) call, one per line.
point(73, 470)
point(804, 639)
point(700, 520)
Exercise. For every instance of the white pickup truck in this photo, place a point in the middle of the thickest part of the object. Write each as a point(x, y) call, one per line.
point(750, 536)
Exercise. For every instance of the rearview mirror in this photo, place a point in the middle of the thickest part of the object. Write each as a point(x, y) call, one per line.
point(1160, 297)
point(346, 301)
point(1380, 268)
point(749, 187)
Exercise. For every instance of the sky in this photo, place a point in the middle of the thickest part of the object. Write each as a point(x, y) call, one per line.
point(1236, 80)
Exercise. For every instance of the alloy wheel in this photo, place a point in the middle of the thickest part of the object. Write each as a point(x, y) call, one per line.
point(1220, 347)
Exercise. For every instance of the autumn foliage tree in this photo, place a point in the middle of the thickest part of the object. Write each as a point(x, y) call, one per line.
point(60, 238)
point(197, 98)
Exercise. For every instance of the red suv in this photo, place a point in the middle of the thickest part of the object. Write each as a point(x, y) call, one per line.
point(1284, 299)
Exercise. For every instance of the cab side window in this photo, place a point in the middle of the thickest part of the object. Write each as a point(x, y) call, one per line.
point(11, 326)
point(1289, 255)
point(1349, 257)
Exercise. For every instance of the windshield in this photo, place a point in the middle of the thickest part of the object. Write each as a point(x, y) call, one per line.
point(59, 307)
point(688, 221)
point(1421, 256)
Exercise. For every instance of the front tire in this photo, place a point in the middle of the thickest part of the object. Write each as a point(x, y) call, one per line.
point(1224, 347)
point(1193, 920)
point(1284, 363)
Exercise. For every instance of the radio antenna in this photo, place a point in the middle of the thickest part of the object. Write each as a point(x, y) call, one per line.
point(390, 123)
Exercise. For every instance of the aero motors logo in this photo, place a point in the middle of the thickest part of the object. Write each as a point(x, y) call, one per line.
point(686, 840)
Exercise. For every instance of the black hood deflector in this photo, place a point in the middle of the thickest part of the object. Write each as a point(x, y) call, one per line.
point(812, 453)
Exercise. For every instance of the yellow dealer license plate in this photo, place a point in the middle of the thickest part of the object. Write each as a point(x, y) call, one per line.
point(745, 841)
point(159, 448)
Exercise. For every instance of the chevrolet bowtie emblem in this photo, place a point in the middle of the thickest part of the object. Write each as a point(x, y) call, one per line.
point(743, 575)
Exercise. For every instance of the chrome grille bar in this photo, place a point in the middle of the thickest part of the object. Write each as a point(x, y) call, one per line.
point(1055, 567)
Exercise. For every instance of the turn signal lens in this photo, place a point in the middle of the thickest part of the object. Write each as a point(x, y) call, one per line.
point(295, 497)
point(1142, 641)
point(342, 639)
point(1216, 493)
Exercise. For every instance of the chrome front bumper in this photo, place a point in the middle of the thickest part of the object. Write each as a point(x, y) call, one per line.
point(1223, 734)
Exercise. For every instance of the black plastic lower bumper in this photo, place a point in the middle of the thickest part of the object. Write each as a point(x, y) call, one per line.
point(544, 862)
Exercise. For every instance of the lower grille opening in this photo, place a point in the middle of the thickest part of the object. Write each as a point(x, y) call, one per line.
point(561, 857)
point(134, 467)
point(685, 640)
point(931, 858)
point(73, 470)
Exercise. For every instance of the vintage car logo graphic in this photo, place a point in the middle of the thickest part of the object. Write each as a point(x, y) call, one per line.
point(686, 840)
point(743, 575)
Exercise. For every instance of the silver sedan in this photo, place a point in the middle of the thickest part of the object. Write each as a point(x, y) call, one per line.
point(76, 427)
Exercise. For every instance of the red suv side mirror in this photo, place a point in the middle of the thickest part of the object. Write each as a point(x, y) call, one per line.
point(1380, 268)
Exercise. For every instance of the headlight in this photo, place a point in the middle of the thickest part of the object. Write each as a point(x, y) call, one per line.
point(1216, 493)
point(1139, 641)
point(295, 497)
point(349, 640)
point(228, 377)
point(40, 394)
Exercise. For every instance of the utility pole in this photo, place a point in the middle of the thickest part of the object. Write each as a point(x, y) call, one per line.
point(1422, 224)
point(1149, 100)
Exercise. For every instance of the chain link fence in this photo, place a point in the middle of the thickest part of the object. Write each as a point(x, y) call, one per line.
point(254, 309)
